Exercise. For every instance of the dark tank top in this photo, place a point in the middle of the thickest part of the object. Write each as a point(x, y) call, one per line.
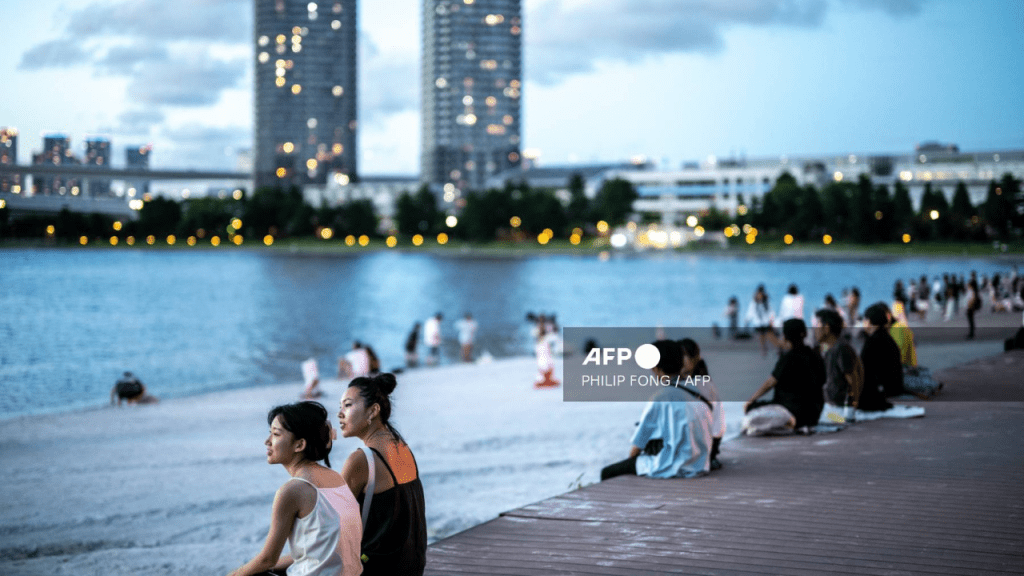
point(395, 535)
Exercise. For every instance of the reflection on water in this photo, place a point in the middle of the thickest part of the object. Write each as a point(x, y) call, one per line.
point(188, 322)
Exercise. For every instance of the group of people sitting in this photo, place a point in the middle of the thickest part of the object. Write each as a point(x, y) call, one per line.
point(681, 427)
point(369, 518)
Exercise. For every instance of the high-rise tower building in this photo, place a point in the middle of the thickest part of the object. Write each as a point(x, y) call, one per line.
point(137, 158)
point(472, 80)
point(10, 183)
point(305, 91)
point(57, 152)
point(97, 153)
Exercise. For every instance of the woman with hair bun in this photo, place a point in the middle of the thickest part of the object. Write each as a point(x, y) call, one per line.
point(385, 479)
point(315, 510)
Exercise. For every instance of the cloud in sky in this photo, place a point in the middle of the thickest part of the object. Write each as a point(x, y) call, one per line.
point(566, 37)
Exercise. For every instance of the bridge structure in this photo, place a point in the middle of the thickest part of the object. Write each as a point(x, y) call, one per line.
point(118, 207)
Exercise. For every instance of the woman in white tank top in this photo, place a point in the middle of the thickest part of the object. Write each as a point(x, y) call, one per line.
point(315, 510)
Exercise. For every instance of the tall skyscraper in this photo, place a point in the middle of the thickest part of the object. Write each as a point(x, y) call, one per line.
point(472, 78)
point(97, 153)
point(10, 183)
point(305, 91)
point(137, 158)
point(56, 151)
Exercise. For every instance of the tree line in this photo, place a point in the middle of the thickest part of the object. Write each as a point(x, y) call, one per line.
point(858, 211)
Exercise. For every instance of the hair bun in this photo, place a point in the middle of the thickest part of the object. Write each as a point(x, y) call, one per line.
point(386, 383)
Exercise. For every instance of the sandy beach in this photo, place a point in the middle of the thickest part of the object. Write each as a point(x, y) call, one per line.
point(182, 487)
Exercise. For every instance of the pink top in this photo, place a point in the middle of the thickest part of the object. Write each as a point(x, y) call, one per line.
point(327, 540)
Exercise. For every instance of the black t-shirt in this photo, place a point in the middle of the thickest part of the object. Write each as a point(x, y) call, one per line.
point(800, 374)
point(883, 369)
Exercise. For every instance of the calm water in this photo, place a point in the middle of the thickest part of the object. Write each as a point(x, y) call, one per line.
point(187, 322)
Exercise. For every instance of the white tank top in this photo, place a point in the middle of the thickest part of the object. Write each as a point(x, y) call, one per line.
point(326, 541)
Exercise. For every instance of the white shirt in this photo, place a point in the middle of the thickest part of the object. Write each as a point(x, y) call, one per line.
point(467, 330)
point(791, 306)
point(359, 360)
point(432, 332)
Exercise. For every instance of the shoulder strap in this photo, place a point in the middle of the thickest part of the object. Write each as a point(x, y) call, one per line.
point(698, 395)
point(371, 483)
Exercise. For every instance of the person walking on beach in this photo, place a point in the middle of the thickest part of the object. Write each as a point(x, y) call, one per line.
point(432, 338)
point(467, 336)
point(759, 315)
point(791, 305)
point(673, 438)
point(314, 510)
point(853, 306)
point(545, 358)
point(385, 479)
point(973, 305)
point(797, 379)
point(411, 358)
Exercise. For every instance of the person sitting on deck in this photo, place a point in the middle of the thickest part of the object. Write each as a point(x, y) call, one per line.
point(883, 369)
point(844, 373)
point(673, 438)
point(917, 380)
point(797, 379)
point(694, 365)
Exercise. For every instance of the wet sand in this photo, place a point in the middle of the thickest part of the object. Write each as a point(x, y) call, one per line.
point(182, 487)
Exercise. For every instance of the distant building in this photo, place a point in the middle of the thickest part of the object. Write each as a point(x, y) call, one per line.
point(97, 153)
point(383, 191)
point(557, 177)
point(472, 83)
point(9, 183)
point(305, 87)
point(727, 185)
point(56, 152)
point(137, 158)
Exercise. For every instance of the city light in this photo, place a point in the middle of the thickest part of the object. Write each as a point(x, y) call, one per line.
point(296, 88)
point(617, 240)
point(543, 238)
point(326, 233)
point(281, 172)
point(236, 223)
point(575, 239)
point(341, 179)
point(130, 240)
point(417, 240)
point(451, 221)
point(934, 214)
point(788, 239)
point(364, 240)
point(837, 176)
point(350, 240)
point(602, 226)
point(237, 239)
point(906, 238)
point(391, 242)
point(751, 238)
point(150, 239)
point(826, 239)
point(113, 240)
point(136, 204)
point(442, 238)
point(191, 241)
point(50, 230)
point(171, 239)
point(215, 241)
point(697, 231)
point(878, 214)
point(741, 210)
point(117, 225)
point(691, 221)
point(515, 221)
point(83, 240)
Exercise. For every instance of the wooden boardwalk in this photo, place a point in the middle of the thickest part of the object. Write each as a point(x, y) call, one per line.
point(939, 495)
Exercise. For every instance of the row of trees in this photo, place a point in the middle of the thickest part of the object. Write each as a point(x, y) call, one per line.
point(865, 213)
point(856, 211)
point(488, 215)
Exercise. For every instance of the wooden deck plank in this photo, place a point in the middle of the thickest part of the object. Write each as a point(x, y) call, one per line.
point(942, 495)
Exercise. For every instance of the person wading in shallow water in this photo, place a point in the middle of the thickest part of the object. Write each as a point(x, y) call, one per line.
point(385, 479)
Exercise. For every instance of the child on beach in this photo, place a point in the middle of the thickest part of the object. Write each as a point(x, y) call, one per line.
point(131, 390)
point(545, 359)
point(314, 510)
point(385, 479)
